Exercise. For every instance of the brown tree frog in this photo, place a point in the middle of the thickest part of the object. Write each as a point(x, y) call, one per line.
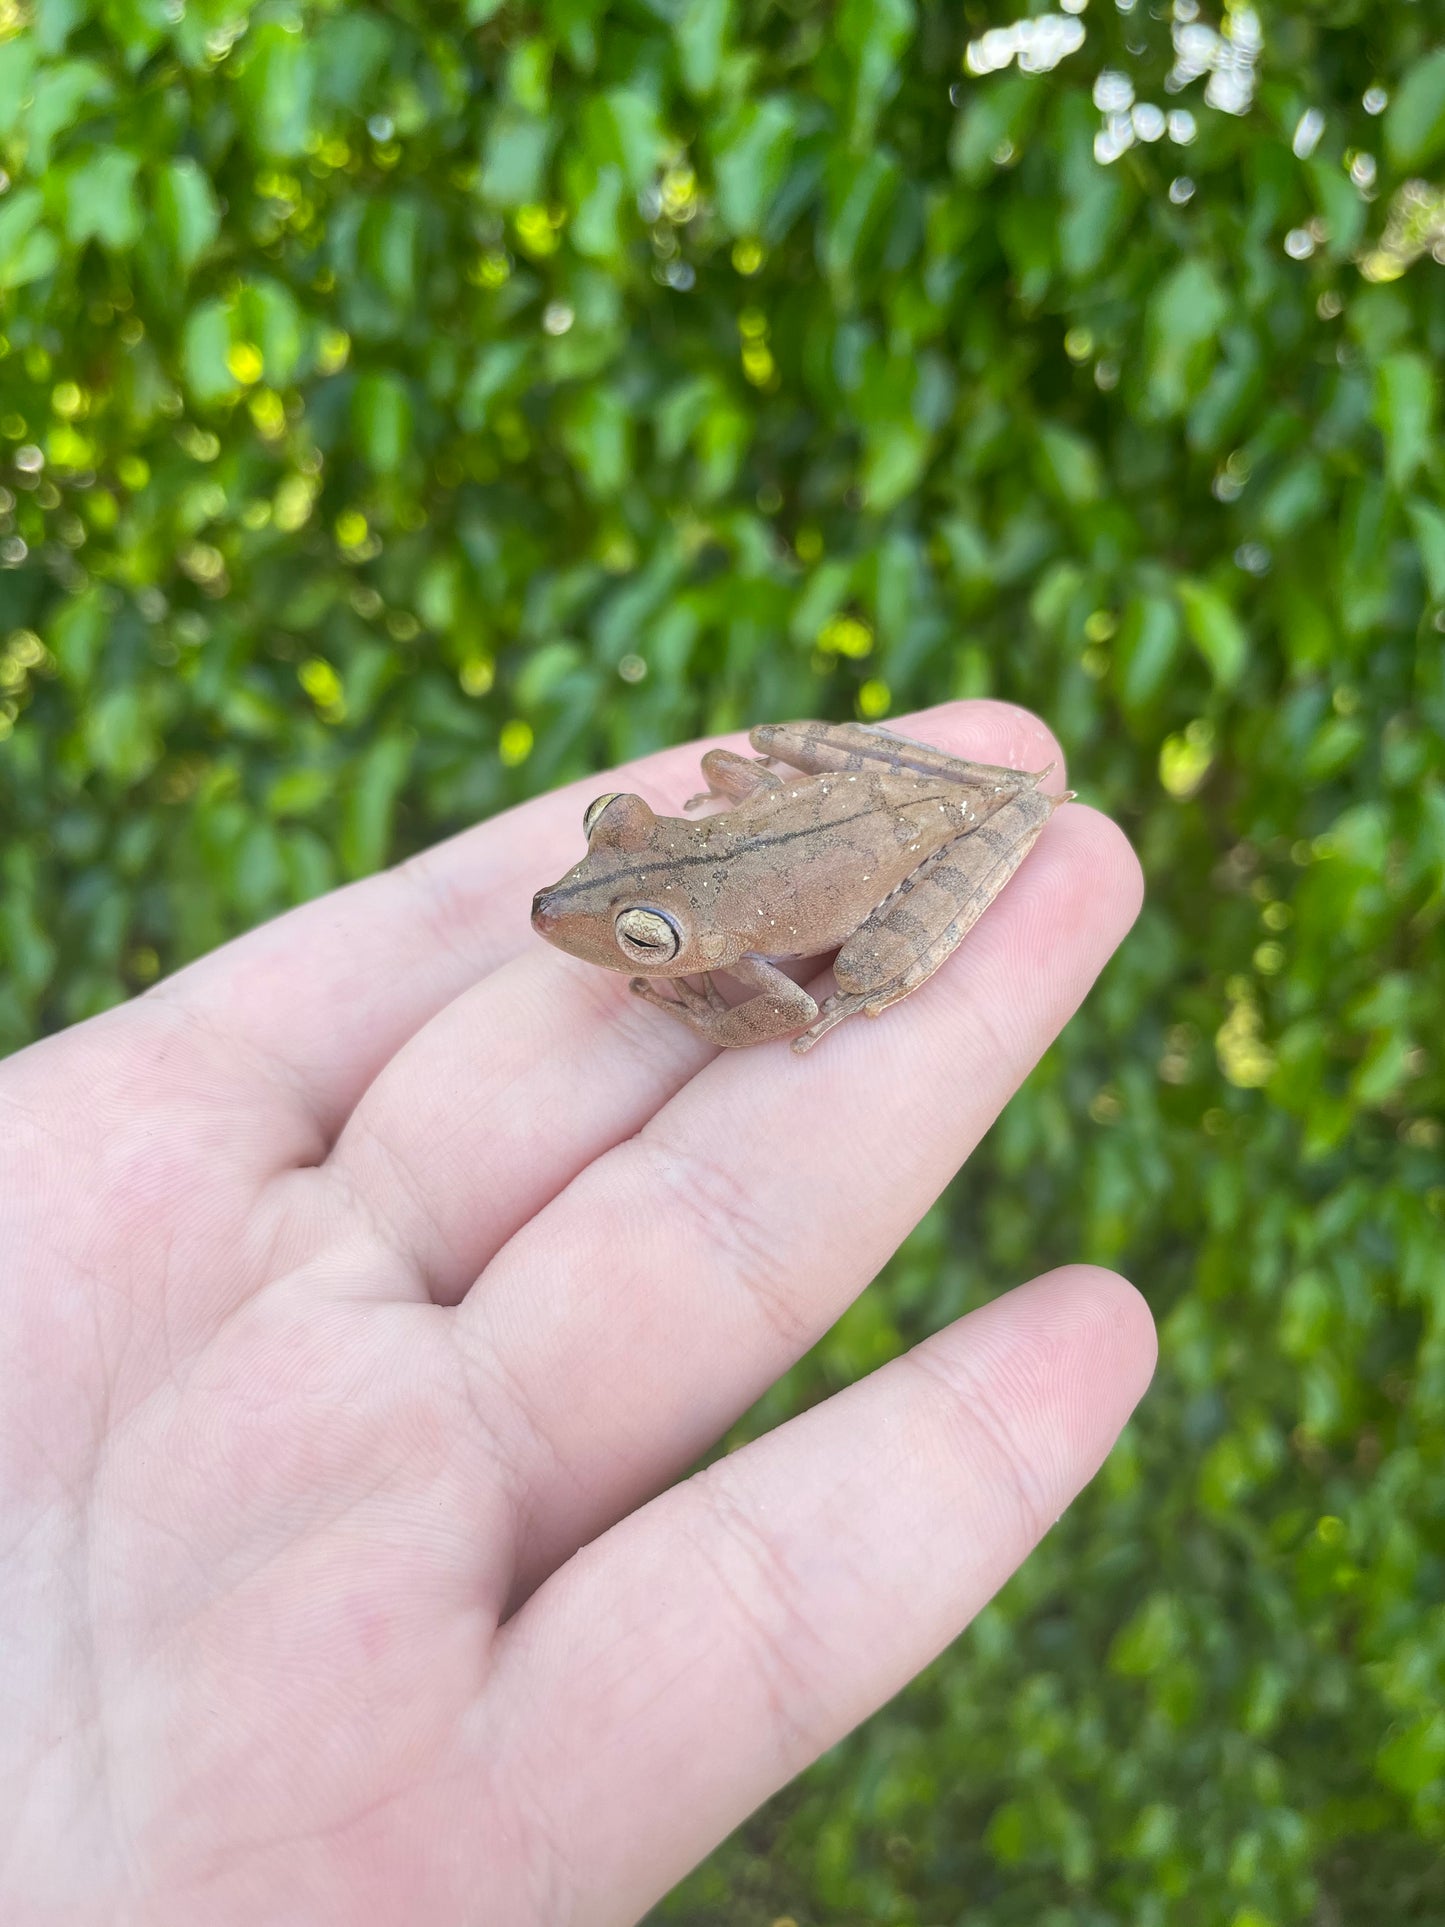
point(883, 849)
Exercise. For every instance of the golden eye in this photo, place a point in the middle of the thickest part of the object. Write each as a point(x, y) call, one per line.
point(595, 809)
point(648, 936)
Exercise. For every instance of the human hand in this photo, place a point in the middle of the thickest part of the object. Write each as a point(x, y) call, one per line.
point(356, 1276)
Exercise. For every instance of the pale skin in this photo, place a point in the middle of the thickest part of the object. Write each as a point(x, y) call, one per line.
point(882, 849)
point(367, 1291)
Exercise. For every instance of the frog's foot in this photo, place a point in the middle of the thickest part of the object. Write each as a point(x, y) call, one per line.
point(685, 997)
point(779, 1007)
point(818, 748)
point(842, 1004)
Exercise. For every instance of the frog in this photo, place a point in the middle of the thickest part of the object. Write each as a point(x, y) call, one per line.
point(835, 837)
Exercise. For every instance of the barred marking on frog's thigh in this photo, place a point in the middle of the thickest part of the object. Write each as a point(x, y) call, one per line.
point(901, 922)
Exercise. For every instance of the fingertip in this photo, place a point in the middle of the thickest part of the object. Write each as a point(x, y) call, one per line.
point(1068, 1356)
point(1086, 855)
point(1117, 1326)
point(1118, 861)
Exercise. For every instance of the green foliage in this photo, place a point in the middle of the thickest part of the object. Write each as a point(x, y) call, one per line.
point(404, 408)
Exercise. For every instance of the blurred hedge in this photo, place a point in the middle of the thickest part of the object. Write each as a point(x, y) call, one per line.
point(402, 408)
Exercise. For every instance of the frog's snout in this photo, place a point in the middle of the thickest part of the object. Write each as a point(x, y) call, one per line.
point(544, 915)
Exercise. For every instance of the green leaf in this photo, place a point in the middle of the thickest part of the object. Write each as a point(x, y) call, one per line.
point(750, 157)
point(205, 346)
point(297, 792)
point(1147, 650)
point(391, 248)
point(353, 48)
point(76, 635)
point(822, 596)
point(1215, 631)
point(1184, 319)
point(860, 193)
point(1097, 204)
point(1405, 398)
point(382, 411)
point(600, 201)
point(99, 200)
point(896, 454)
point(27, 248)
point(1428, 523)
point(121, 737)
point(57, 97)
point(267, 313)
point(873, 35)
point(187, 211)
point(56, 20)
point(18, 59)
point(1151, 1638)
point(1070, 465)
point(529, 74)
point(637, 133)
point(1415, 118)
point(495, 373)
point(276, 86)
point(1001, 108)
point(1296, 497)
point(514, 159)
point(1341, 207)
point(370, 804)
point(701, 31)
point(596, 433)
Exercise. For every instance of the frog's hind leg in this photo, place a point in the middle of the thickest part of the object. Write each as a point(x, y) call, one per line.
point(732, 778)
point(819, 748)
point(919, 926)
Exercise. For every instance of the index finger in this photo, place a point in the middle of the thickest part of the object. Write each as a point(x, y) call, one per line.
point(328, 993)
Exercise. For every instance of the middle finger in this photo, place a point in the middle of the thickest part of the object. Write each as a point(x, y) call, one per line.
point(673, 1281)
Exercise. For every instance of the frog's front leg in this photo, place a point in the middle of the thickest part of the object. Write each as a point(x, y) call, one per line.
point(732, 778)
point(780, 1005)
point(919, 926)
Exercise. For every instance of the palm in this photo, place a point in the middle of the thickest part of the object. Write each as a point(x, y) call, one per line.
point(374, 1265)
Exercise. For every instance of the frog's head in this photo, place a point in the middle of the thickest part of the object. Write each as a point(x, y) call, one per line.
point(616, 907)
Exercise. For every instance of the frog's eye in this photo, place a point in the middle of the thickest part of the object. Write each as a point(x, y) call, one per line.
point(619, 822)
point(595, 809)
point(648, 936)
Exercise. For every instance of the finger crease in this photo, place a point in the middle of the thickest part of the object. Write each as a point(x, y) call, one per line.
point(716, 1199)
point(972, 1412)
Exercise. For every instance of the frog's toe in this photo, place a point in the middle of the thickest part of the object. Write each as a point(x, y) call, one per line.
point(708, 998)
point(835, 1009)
point(643, 987)
point(715, 998)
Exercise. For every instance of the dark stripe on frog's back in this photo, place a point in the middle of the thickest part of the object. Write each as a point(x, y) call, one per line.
point(745, 823)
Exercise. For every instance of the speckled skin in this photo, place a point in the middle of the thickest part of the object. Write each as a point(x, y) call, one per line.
point(884, 850)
